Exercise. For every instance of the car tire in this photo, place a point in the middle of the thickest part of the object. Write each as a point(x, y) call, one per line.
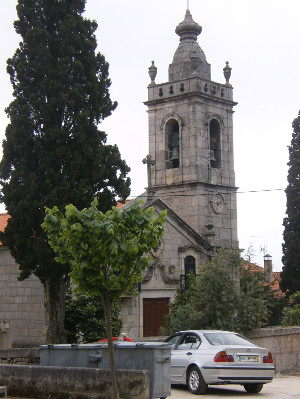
point(253, 388)
point(195, 381)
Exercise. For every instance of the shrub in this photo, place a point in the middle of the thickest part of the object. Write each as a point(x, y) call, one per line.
point(84, 319)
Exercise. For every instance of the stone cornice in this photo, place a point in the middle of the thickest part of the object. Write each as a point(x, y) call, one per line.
point(189, 95)
point(196, 183)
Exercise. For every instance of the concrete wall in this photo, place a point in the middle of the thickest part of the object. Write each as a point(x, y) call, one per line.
point(284, 343)
point(21, 305)
point(41, 382)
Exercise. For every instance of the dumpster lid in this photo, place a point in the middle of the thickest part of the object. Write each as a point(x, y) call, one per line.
point(121, 344)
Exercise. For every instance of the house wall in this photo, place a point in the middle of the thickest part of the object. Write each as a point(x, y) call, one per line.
point(284, 343)
point(22, 315)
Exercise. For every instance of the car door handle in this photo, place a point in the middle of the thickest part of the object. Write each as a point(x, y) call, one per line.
point(189, 353)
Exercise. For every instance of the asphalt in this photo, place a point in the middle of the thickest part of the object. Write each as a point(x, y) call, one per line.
point(282, 387)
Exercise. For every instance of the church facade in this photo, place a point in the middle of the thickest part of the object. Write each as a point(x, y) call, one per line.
point(190, 173)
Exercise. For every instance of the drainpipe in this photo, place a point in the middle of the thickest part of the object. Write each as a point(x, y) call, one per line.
point(268, 272)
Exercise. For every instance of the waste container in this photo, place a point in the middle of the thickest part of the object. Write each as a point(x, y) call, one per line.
point(154, 357)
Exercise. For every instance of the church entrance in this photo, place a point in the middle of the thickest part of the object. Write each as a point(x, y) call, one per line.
point(154, 312)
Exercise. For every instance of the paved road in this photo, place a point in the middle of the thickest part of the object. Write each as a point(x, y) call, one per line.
point(279, 388)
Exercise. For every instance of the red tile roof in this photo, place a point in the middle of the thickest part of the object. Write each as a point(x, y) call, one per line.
point(253, 268)
point(3, 220)
point(120, 204)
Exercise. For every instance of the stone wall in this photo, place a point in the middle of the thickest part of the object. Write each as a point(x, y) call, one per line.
point(41, 382)
point(284, 343)
point(20, 356)
point(21, 305)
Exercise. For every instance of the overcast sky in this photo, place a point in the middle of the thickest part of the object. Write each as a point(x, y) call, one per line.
point(259, 38)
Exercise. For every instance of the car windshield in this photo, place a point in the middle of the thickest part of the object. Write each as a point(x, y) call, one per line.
point(223, 338)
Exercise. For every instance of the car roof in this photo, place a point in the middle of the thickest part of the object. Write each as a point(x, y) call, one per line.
point(207, 331)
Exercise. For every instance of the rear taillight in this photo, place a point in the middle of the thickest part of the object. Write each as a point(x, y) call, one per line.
point(223, 357)
point(268, 359)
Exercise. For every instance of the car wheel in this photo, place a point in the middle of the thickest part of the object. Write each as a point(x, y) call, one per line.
point(195, 381)
point(253, 388)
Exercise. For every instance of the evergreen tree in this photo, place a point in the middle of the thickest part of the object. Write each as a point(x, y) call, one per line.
point(54, 153)
point(290, 276)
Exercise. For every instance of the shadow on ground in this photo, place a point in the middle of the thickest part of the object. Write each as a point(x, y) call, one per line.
point(220, 391)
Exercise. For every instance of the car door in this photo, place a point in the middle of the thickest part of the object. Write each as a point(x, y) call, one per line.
point(182, 353)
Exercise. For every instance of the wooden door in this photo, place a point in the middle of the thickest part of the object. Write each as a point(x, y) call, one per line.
point(154, 312)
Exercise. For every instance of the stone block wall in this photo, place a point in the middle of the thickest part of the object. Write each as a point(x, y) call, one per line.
point(284, 343)
point(41, 382)
point(21, 304)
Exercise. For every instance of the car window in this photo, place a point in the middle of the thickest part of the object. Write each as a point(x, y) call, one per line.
point(173, 340)
point(219, 338)
point(190, 341)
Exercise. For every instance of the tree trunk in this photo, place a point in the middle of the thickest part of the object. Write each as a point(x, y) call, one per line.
point(107, 312)
point(55, 298)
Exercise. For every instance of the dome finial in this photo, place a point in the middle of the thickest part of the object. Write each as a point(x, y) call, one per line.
point(188, 28)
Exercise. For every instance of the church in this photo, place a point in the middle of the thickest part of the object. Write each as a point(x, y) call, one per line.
point(190, 174)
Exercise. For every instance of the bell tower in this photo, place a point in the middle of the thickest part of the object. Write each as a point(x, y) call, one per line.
point(191, 141)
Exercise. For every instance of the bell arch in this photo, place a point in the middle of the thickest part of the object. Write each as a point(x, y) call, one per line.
point(215, 143)
point(172, 144)
point(171, 127)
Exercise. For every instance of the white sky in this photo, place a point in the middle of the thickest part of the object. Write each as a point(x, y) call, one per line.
point(260, 39)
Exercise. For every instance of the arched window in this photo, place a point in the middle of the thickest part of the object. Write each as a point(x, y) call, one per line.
point(189, 265)
point(189, 268)
point(215, 145)
point(172, 144)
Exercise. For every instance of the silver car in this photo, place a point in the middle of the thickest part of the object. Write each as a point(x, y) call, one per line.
point(208, 357)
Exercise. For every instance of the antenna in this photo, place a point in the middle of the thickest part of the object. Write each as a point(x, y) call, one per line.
point(264, 249)
point(188, 5)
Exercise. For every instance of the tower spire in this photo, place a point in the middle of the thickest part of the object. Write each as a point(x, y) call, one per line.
point(188, 4)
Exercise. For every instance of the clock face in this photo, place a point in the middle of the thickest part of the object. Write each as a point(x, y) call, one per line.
point(217, 203)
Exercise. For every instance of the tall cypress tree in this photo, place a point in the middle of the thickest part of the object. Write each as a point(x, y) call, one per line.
point(290, 276)
point(54, 153)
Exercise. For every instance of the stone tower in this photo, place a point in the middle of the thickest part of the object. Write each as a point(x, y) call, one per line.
point(191, 141)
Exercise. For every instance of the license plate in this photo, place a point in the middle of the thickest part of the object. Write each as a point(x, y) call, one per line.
point(248, 358)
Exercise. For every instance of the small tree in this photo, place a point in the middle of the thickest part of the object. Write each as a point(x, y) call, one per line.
point(179, 316)
point(223, 296)
point(106, 251)
point(216, 293)
point(253, 310)
point(290, 276)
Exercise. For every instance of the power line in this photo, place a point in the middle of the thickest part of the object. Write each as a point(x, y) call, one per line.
point(260, 191)
point(197, 195)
